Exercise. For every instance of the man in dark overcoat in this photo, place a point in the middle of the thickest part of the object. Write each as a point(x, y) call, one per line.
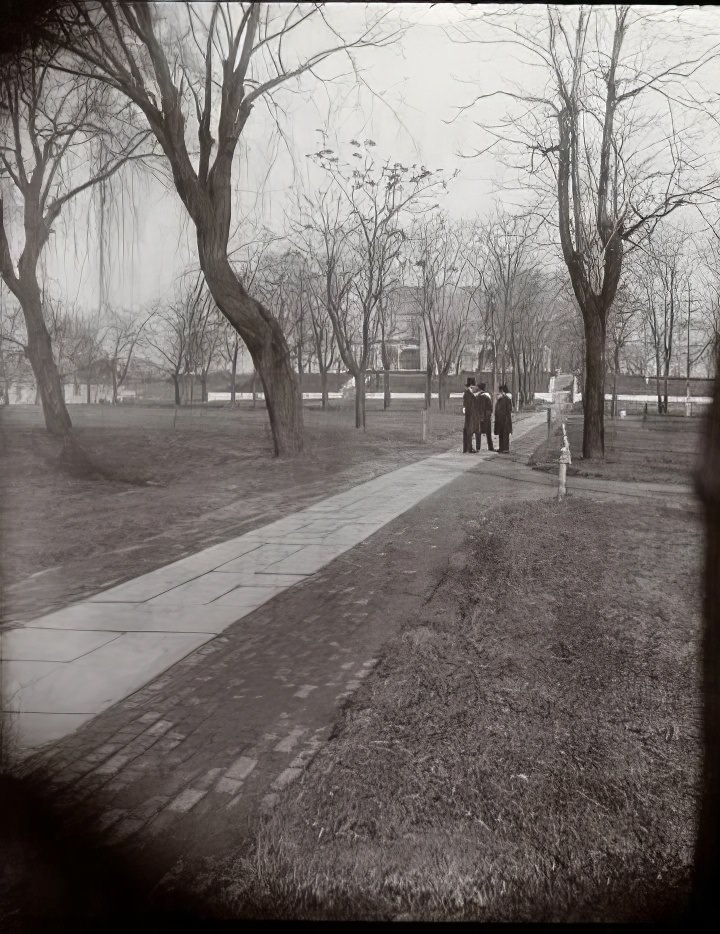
point(485, 409)
point(503, 419)
point(471, 425)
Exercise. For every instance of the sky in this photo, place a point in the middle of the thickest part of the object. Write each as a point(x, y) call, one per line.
point(411, 112)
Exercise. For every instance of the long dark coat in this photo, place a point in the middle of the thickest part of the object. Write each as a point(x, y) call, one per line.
point(503, 415)
point(472, 410)
point(485, 410)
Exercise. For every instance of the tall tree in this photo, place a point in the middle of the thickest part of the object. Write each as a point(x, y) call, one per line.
point(622, 325)
point(123, 335)
point(59, 136)
point(195, 72)
point(663, 279)
point(359, 222)
point(443, 293)
point(613, 165)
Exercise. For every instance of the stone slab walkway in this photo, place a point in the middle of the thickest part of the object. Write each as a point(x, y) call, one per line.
point(178, 775)
point(62, 669)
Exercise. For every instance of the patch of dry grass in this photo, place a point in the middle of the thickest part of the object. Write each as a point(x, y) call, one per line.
point(527, 750)
point(659, 449)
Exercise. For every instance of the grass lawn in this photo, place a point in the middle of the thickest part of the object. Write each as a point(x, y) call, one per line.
point(660, 449)
point(185, 480)
point(526, 750)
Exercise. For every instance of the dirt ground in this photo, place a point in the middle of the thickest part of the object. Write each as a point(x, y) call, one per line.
point(186, 479)
point(659, 449)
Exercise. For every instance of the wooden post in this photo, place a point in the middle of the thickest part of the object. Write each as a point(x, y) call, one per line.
point(565, 459)
point(424, 425)
point(549, 422)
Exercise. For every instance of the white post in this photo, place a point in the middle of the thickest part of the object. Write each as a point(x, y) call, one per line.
point(565, 459)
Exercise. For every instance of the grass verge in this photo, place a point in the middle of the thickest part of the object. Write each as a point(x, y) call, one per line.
point(659, 449)
point(526, 751)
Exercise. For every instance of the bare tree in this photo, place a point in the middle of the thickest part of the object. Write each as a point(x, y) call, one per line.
point(622, 325)
point(123, 334)
point(359, 223)
point(663, 272)
point(58, 137)
point(510, 256)
point(173, 333)
point(83, 339)
point(440, 256)
point(612, 166)
point(529, 330)
point(196, 72)
point(14, 364)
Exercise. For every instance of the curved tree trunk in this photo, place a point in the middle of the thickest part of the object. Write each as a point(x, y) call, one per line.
point(264, 339)
point(47, 377)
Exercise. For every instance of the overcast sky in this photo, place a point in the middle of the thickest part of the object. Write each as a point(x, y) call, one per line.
point(418, 86)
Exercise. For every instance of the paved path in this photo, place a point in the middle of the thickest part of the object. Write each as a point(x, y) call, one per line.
point(62, 669)
point(184, 768)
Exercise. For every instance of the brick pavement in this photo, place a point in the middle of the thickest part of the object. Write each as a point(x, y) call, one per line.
point(61, 669)
point(185, 767)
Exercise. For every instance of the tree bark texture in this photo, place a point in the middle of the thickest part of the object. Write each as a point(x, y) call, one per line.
point(707, 849)
point(47, 377)
point(594, 389)
point(266, 343)
point(360, 399)
point(233, 374)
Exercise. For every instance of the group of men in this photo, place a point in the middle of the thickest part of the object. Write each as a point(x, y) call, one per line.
point(478, 411)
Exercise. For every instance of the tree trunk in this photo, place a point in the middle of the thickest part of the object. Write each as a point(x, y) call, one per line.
point(428, 387)
point(707, 845)
point(360, 400)
point(176, 384)
point(441, 391)
point(87, 394)
point(263, 337)
point(594, 389)
point(254, 387)
point(203, 388)
point(324, 385)
point(616, 370)
point(495, 373)
point(665, 392)
point(47, 378)
point(233, 374)
point(114, 385)
point(386, 388)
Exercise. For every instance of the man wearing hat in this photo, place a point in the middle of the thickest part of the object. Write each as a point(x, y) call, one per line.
point(503, 419)
point(485, 408)
point(471, 411)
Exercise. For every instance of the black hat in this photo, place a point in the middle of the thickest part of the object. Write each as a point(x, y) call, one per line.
point(470, 381)
point(504, 388)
